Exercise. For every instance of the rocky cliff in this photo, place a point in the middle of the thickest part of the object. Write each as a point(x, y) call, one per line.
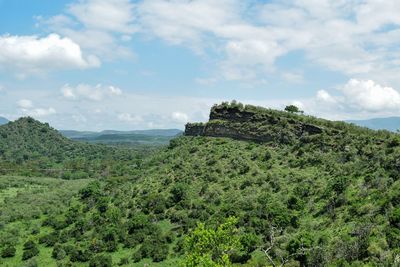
point(252, 123)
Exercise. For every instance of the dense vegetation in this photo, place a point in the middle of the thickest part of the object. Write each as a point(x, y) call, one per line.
point(139, 138)
point(31, 148)
point(328, 198)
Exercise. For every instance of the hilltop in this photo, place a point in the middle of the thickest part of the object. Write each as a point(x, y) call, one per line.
point(252, 123)
point(28, 146)
point(304, 192)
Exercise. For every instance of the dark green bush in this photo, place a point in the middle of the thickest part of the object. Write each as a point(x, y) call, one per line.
point(101, 260)
point(8, 251)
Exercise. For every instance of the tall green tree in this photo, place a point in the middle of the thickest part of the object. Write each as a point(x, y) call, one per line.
point(206, 247)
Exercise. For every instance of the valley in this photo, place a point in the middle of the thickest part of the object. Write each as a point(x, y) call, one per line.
point(251, 187)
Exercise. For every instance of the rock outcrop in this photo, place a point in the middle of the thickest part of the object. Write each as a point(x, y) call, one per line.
point(255, 124)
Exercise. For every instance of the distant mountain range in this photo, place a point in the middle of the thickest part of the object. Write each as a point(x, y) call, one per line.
point(3, 120)
point(390, 123)
point(146, 137)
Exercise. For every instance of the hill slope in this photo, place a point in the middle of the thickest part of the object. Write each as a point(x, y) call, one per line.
point(28, 146)
point(125, 138)
point(305, 191)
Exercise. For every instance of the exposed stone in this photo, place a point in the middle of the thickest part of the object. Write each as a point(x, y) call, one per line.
point(194, 129)
point(311, 129)
point(247, 125)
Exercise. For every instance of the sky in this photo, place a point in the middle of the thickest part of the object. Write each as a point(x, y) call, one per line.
point(125, 64)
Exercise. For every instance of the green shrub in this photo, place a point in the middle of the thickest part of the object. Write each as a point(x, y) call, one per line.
point(101, 260)
point(58, 252)
point(29, 253)
point(8, 251)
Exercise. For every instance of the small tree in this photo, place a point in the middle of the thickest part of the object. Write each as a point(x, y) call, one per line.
point(293, 109)
point(30, 250)
point(8, 252)
point(212, 247)
point(101, 260)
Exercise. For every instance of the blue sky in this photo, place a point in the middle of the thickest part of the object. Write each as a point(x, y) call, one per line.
point(120, 64)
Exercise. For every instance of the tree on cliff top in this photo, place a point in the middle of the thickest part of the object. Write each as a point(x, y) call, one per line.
point(293, 109)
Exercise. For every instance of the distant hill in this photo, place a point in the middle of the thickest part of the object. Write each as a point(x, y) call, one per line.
point(303, 191)
point(27, 144)
point(390, 123)
point(3, 120)
point(124, 138)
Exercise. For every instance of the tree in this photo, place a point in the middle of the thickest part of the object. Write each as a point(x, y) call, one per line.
point(297, 249)
point(58, 252)
point(293, 109)
point(8, 252)
point(30, 250)
point(101, 260)
point(212, 247)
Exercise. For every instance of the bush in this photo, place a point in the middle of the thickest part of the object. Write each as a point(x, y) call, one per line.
point(30, 250)
point(101, 260)
point(29, 245)
point(58, 252)
point(8, 252)
point(79, 255)
point(29, 253)
point(124, 261)
point(137, 256)
point(49, 240)
point(31, 263)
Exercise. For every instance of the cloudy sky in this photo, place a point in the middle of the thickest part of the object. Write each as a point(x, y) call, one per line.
point(121, 64)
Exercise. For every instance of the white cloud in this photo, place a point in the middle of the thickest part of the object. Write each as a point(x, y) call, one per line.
point(293, 77)
point(180, 117)
point(107, 15)
point(114, 90)
point(32, 54)
point(356, 99)
point(89, 92)
point(356, 38)
point(40, 112)
point(367, 95)
point(25, 103)
point(28, 108)
point(100, 26)
point(126, 117)
point(325, 97)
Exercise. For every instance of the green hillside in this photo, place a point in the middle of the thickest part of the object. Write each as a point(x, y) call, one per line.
point(135, 139)
point(272, 188)
point(29, 147)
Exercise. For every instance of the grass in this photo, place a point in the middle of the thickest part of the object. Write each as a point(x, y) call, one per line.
point(24, 203)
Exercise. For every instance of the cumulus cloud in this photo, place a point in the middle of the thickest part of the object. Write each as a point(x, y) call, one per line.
point(32, 54)
point(25, 103)
point(370, 96)
point(127, 117)
point(180, 117)
point(99, 26)
point(357, 38)
point(40, 112)
point(355, 99)
point(89, 92)
point(325, 97)
point(28, 108)
point(107, 15)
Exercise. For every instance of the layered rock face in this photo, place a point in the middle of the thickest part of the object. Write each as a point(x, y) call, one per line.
point(251, 124)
